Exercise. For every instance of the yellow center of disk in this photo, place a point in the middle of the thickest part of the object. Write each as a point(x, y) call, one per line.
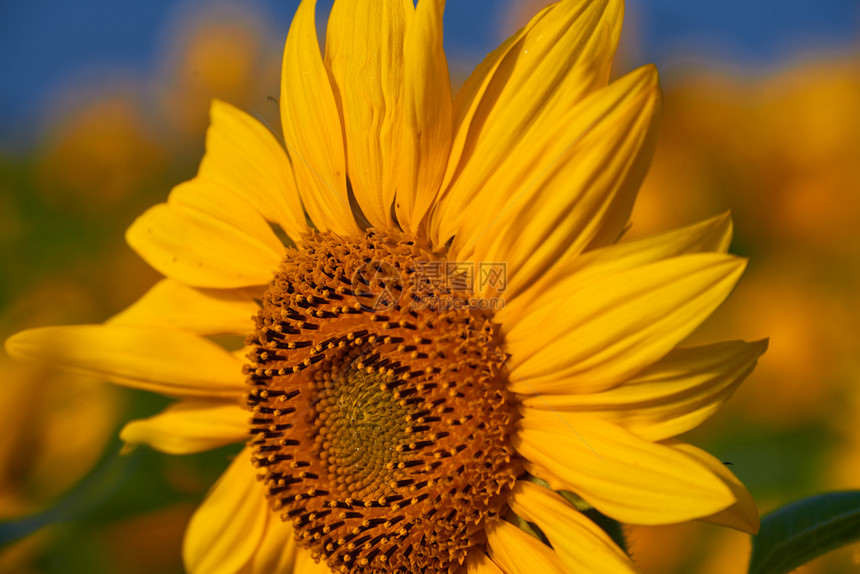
point(361, 425)
point(381, 421)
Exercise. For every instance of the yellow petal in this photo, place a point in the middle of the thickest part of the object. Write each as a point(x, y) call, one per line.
point(469, 97)
point(167, 361)
point(622, 475)
point(305, 564)
point(426, 124)
point(743, 514)
point(226, 530)
point(277, 550)
point(591, 335)
point(563, 54)
point(206, 236)
point(479, 563)
point(672, 396)
point(244, 156)
point(312, 128)
point(520, 553)
point(580, 544)
point(567, 183)
point(188, 427)
point(364, 52)
point(712, 235)
point(201, 311)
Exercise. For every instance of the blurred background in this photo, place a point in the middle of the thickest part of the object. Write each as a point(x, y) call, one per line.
point(104, 106)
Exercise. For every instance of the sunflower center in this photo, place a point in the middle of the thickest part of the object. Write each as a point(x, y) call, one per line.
point(381, 421)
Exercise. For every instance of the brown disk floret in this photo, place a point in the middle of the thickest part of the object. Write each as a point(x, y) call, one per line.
point(380, 417)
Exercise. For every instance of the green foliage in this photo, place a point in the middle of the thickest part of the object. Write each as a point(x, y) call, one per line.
point(804, 530)
point(773, 463)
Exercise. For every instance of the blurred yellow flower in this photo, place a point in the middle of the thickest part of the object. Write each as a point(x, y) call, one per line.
point(809, 121)
point(65, 425)
point(783, 149)
point(54, 429)
point(389, 413)
point(98, 154)
point(220, 52)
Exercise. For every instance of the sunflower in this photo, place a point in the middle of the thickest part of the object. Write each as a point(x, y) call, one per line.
point(448, 352)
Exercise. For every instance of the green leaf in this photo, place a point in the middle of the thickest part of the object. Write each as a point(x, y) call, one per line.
point(804, 530)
